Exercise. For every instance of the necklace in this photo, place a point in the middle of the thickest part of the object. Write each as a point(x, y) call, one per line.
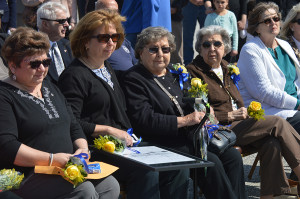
point(87, 63)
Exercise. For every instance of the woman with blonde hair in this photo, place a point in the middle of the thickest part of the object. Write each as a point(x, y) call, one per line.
point(290, 30)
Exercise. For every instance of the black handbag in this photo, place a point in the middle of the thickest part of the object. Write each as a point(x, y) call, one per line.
point(222, 139)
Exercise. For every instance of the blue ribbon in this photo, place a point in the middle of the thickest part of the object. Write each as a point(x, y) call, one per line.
point(183, 77)
point(82, 157)
point(130, 132)
point(236, 79)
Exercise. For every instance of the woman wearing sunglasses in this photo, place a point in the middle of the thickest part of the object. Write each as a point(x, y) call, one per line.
point(37, 127)
point(91, 87)
point(272, 137)
point(158, 120)
point(269, 68)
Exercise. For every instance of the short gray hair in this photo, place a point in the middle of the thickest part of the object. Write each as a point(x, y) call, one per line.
point(48, 10)
point(153, 34)
point(213, 30)
point(286, 30)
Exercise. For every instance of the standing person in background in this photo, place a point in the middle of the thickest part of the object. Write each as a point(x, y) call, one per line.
point(226, 19)
point(194, 11)
point(177, 30)
point(141, 14)
point(52, 19)
point(9, 16)
point(123, 58)
point(239, 8)
point(71, 6)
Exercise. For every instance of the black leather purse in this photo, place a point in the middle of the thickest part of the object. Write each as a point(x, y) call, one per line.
point(222, 139)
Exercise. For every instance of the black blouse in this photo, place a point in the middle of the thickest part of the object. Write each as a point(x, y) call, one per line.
point(152, 114)
point(93, 101)
point(47, 125)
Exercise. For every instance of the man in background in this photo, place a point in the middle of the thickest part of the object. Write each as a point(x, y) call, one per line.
point(52, 19)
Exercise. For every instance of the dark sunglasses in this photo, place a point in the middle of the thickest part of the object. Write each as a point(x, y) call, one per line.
point(154, 50)
point(36, 63)
point(60, 21)
point(208, 44)
point(296, 21)
point(104, 38)
point(269, 20)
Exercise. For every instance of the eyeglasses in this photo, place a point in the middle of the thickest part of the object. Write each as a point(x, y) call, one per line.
point(60, 21)
point(154, 50)
point(207, 44)
point(104, 38)
point(36, 63)
point(296, 21)
point(269, 20)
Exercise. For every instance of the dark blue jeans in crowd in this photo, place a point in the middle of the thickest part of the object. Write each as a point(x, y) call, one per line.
point(192, 14)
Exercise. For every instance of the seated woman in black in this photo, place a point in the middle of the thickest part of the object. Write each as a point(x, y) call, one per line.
point(156, 118)
point(37, 127)
point(91, 87)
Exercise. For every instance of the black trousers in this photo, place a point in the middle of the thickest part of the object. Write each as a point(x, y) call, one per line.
point(146, 184)
point(225, 179)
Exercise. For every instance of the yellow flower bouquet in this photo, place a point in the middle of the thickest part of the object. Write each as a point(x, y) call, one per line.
point(10, 179)
point(74, 171)
point(255, 110)
point(109, 143)
point(198, 89)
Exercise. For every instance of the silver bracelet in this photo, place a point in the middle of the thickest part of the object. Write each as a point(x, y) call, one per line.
point(51, 159)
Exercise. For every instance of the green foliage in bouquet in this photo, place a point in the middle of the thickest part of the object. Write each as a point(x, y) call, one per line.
point(10, 179)
point(74, 171)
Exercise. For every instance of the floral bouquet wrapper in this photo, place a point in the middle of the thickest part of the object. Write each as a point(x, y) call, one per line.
point(75, 172)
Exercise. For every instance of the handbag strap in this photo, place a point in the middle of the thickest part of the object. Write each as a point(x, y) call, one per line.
point(173, 99)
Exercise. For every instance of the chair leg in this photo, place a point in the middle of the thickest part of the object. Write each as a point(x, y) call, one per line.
point(253, 167)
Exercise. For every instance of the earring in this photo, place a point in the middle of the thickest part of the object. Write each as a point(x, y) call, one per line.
point(14, 77)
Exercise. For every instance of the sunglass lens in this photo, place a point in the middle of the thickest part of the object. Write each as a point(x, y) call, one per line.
point(35, 64)
point(276, 19)
point(47, 62)
point(165, 49)
point(115, 37)
point(217, 43)
point(153, 50)
point(103, 38)
point(267, 21)
point(206, 44)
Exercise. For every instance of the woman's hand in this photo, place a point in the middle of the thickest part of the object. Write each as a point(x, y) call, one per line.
point(61, 159)
point(122, 135)
point(234, 53)
point(190, 119)
point(108, 130)
point(239, 114)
